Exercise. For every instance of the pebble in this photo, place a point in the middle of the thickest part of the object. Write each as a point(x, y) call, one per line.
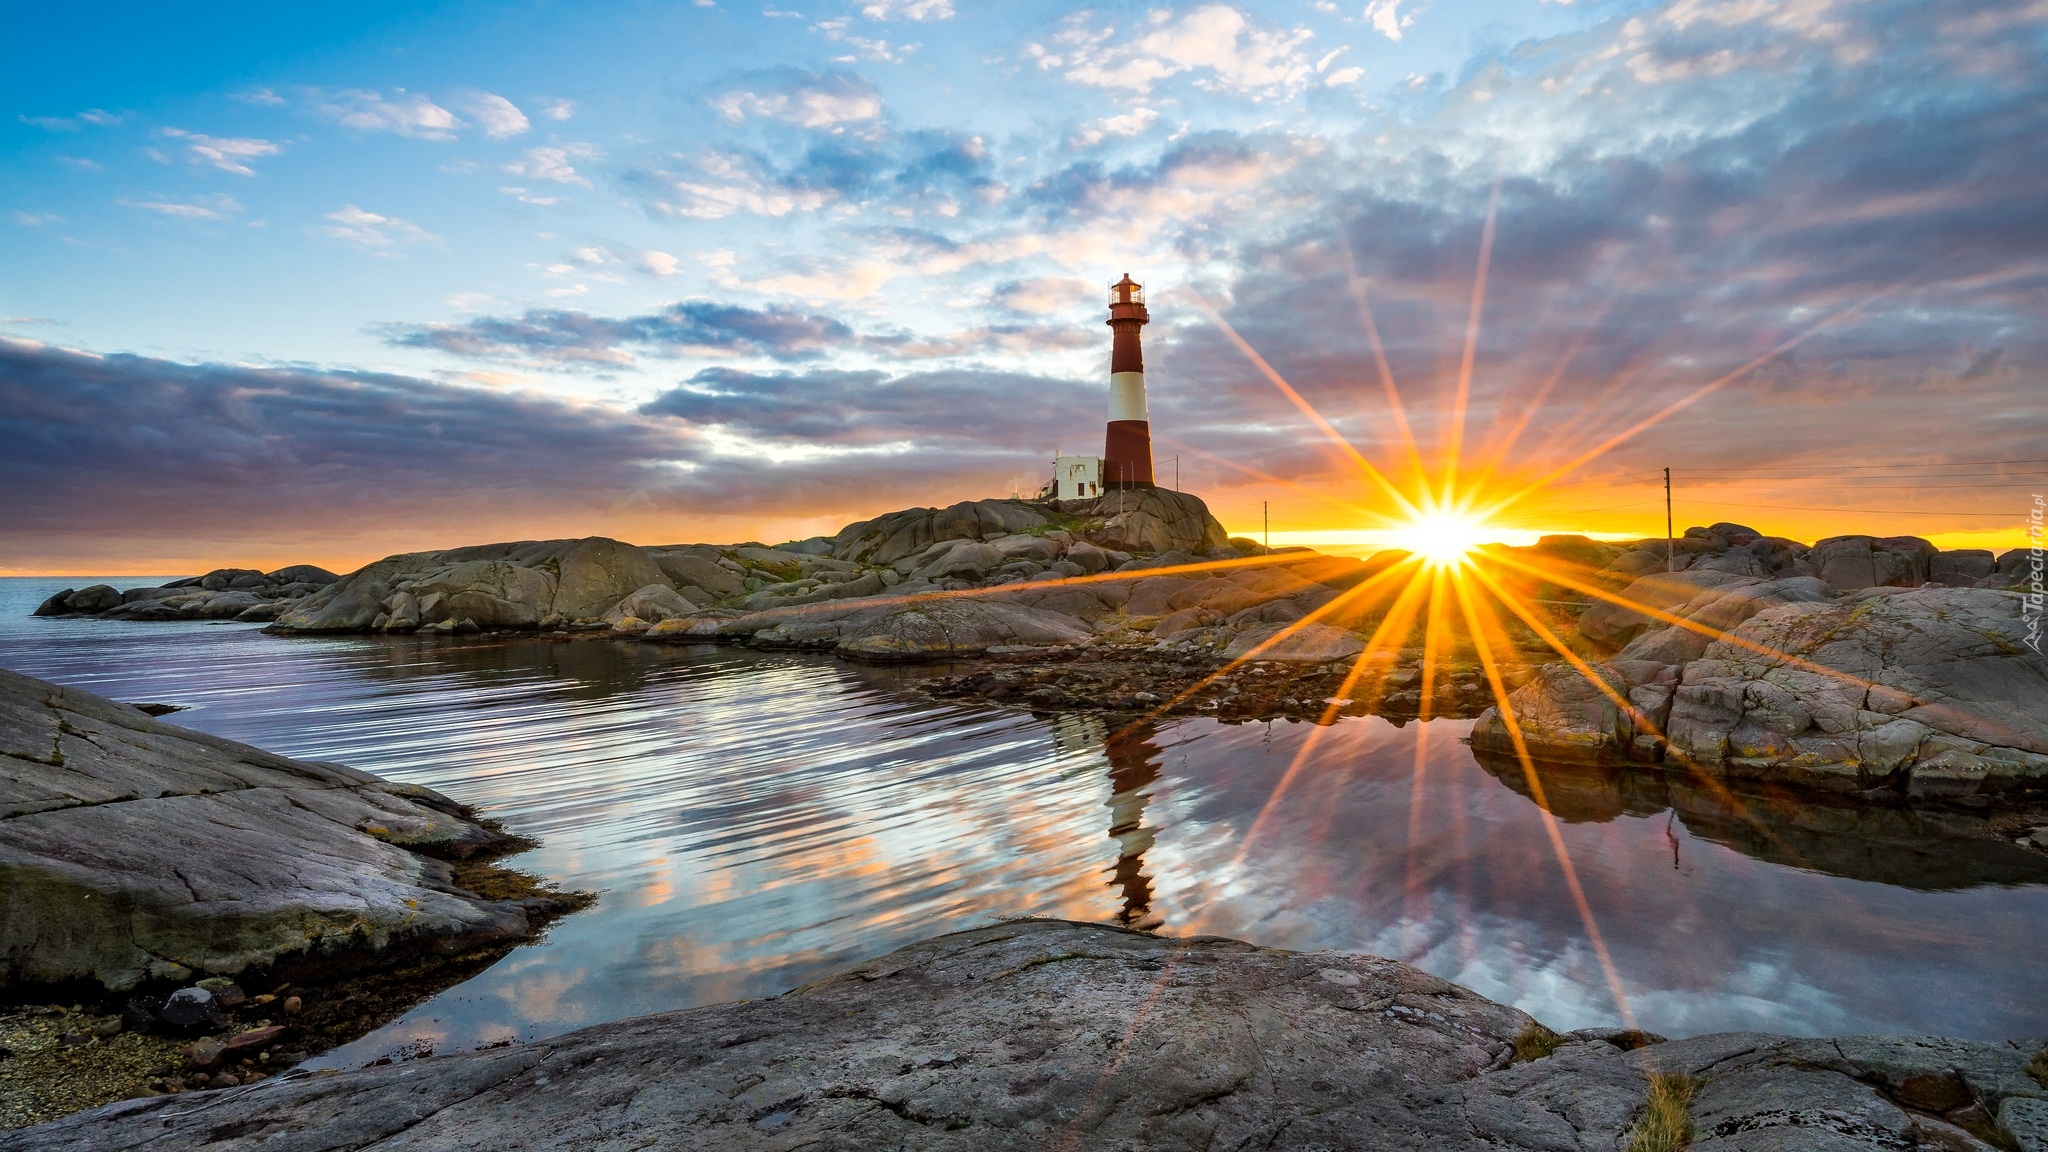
point(293, 1005)
point(190, 1009)
point(204, 1053)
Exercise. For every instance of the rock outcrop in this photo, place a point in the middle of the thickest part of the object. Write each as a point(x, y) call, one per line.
point(134, 851)
point(1049, 1034)
point(1147, 520)
point(527, 584)
point(1932, 692)
point(223, 594)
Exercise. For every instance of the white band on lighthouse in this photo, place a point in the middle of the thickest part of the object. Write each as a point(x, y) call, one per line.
point(1127, 396)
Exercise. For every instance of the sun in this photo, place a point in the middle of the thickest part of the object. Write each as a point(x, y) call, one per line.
point(1442, 539)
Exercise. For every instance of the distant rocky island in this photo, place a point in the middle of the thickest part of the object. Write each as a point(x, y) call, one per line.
point(1874, 667)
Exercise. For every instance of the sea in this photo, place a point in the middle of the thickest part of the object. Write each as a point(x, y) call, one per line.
point(754, 821)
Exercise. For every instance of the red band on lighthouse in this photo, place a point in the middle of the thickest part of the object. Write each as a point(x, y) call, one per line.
point(1127, 450)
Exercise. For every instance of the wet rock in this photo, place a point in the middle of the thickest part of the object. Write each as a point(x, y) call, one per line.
point(124, 840)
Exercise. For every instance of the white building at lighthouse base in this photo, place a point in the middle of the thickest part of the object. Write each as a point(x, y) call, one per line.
point(1075, 478)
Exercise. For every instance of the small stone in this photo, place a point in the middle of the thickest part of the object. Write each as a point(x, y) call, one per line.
point(190, 1010)
point(226, 992)
point(138, 1015)
point(226, 1080)
point(293, 1005)
point(74, 1039)
point(107, 1027)
point(255, 1038)
point(204, 1053)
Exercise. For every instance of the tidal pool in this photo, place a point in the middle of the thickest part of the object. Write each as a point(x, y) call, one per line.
point(755, 821)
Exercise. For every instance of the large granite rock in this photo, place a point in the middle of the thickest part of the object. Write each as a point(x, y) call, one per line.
point(899, 534)
point(132, 850)
point(1148, 520)
point(517, 585)
point(1048, 1034)
point(1932, 692)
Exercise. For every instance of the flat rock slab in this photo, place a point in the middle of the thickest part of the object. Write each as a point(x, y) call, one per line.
point(133, 850)
point(1050, 1034)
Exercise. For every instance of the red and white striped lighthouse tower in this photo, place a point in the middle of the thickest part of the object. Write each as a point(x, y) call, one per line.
point(1127, 455)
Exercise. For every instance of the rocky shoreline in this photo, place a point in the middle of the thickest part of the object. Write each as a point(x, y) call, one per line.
point(1054, 1034)
point(1877, 667)
point(182, 910)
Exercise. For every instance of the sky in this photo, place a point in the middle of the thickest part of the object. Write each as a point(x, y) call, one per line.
point(324, 283)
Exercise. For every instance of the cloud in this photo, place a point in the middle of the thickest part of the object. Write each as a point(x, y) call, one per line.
point(36, 219)
point(1215, 43)
point(899, 171)
point(559, 110)
point(403, 113)
point(1128, 124)
point(553, 163)
point(1386, 19)
point(807, 100)
point(659, 263)
point(1046, 294)
point(497, 116)
point(907, 9)
point(210, 207)
point(261, 97)
point(95, 117)
point(726, 185)
point(372, 232)
point(946, 412)
point(227, 153)
point(134, 450)
point(572, 339)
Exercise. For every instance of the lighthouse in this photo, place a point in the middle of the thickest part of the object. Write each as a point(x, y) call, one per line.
point(1127, 452)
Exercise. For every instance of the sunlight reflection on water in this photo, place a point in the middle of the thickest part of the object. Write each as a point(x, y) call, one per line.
point(756, 821)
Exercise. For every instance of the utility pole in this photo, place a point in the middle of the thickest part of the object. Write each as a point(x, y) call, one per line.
point(1176, 473)
point(1266, 518)
point(1670, 556)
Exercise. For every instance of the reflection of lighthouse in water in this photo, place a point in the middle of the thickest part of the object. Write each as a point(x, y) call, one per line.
point(1134, 762)
point(1133, 766)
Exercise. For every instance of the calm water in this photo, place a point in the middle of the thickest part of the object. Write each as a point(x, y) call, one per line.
point(757, 821)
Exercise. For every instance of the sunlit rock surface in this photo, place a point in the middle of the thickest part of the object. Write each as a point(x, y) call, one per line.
point(1930, 692)
point(133, 850)
point(1049, 1034)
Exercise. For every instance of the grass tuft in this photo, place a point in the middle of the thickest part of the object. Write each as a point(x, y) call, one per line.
point(1666, 1122)
point(2038, 1068)
point(1534, 1042)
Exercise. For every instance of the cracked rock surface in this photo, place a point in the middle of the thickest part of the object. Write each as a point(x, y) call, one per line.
point(133, 850)
point(1051, 1034)
point(1931, 693)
